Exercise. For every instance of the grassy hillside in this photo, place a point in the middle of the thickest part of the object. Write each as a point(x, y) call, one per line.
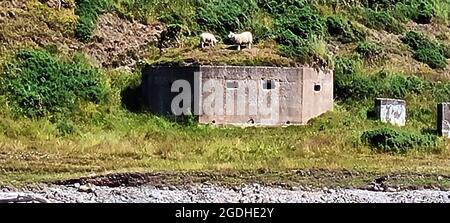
point(66, 97)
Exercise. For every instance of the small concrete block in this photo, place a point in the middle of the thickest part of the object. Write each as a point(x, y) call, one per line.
point(391, 111)
point(443, 119)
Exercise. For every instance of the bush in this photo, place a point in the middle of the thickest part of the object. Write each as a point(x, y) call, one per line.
point(399, 86)
point(425, 13)
point(399, 141)
point(368, 50)
point(279, 7)
point(421, 11)
point(343, 30)
point(441, 91)
point(381, 20)
point(225, 16)
point(418, 40)
point(352, 84)
point(88, 12)
point(38, 83)
point(380, 4)
point(433, 57)
point(426, 50)
point(296, 29)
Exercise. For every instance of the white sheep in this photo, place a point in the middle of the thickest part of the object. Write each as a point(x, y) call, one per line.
point(242, 39)
point(208, 38)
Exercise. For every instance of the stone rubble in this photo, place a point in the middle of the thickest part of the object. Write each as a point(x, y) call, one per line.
point(254, 193)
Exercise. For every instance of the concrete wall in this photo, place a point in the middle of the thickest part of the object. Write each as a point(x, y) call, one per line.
point(443, 119)
point(391, 110)
point(296, 95)
point(317, 93)
point(244, 101)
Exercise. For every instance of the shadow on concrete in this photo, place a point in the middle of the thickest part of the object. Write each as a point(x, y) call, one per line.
point(231, 47)
point(371, 114)
point(133, 99)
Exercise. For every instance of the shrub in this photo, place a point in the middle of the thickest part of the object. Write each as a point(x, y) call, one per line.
point(225, 15)
point(381, 20)
point(421, 11)
point(417, 40)
point(351, 83)
point(441, 91)
point(304, 22)
point(296, 29)
point(38, 83)
point(433, 57)
point(88, 12)
point(399, 86)
point(398, 141)
point(368, 50)
point(342, 29)
point(426, 50)
point(380, 4)
point(279, 7)
point(425, 13)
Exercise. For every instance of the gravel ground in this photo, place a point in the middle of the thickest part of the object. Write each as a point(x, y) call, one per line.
point(207, 193)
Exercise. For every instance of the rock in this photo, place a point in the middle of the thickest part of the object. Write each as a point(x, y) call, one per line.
point(331, 191)
point(440, 178)
point(155, 195)
point(21, 198)
point(87, 188)
point(77, 185)
point(171, 187)
point(390, 189)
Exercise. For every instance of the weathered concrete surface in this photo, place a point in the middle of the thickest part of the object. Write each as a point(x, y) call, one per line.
point(317, 93)
point(443, 119)
point(244, 95)
point(391, 110)
point(250, 103)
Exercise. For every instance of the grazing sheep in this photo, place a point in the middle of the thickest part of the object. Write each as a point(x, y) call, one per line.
point(241, 39)
point(207, 38)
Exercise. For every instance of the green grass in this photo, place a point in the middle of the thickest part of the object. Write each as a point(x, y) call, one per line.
point(121, 141)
